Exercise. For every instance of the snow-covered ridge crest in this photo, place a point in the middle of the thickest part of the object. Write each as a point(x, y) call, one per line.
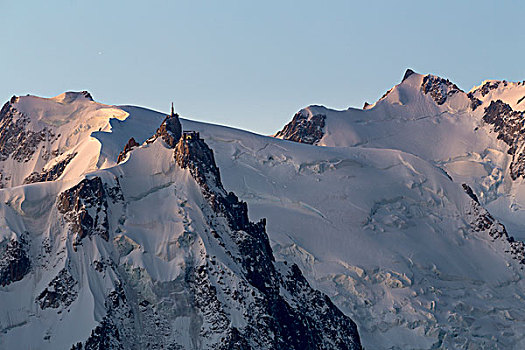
point(70, 96)
point(37, 133)
point(512, 93)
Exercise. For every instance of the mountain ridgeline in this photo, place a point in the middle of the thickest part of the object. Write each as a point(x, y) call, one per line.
point(239, 297)
point(394, 226)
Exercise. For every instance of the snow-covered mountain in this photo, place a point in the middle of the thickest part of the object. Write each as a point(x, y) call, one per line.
point(406, 214)
point(152, 253)
point(476, 137)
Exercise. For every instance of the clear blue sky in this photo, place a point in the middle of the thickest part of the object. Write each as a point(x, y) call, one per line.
point(252, 64)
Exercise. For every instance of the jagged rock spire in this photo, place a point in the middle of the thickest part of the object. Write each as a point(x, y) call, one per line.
point(408, 73)
point(171, 129)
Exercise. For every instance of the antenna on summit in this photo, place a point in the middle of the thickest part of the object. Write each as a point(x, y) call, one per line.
point(172, 109)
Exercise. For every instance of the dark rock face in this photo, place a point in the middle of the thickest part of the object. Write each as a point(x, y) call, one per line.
point(509, 126)
point(60, 292)
point(104, 336)
point(440, 89)
point(483, 221)
point(127, 148)
point(487, 87)
point(304, 128)
point(113, 332)
point(408, 73)
point(52, 173)
point(14, 262)
point(306, 319)
point(504, 119)
point(15, 139)
point(193, 153)
point(470, 193)
point(474, 102)
point(170, 130)
point(85, 207)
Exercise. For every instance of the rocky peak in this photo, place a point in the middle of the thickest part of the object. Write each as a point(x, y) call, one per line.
point(192, 152)
point(439, 89)
point(408, 73)
point(305, 127)
point(171, 129)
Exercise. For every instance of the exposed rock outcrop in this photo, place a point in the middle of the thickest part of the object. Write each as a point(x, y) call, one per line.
point(488, 87)
point(14, 262)
point(108, 334)
point(170, 130)
point(60, 292)
point(15, 139)
point(508, 124)
point(439, 89)
point(85, 206)
point(52, 173)
point(71, 96)
point(482, 221)
point(474, 101)
point(304, 128)
point(408, 73)
point(127, 148)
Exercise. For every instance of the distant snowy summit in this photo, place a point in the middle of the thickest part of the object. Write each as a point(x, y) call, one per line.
point(497, 106)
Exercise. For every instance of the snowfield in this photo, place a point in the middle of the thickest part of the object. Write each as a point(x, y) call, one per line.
point(374, 213)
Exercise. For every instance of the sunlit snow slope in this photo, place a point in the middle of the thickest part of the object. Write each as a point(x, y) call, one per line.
point(370, 204)
point(151, 253)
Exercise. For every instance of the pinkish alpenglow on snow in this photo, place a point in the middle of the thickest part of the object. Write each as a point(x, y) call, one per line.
point(395, 226)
